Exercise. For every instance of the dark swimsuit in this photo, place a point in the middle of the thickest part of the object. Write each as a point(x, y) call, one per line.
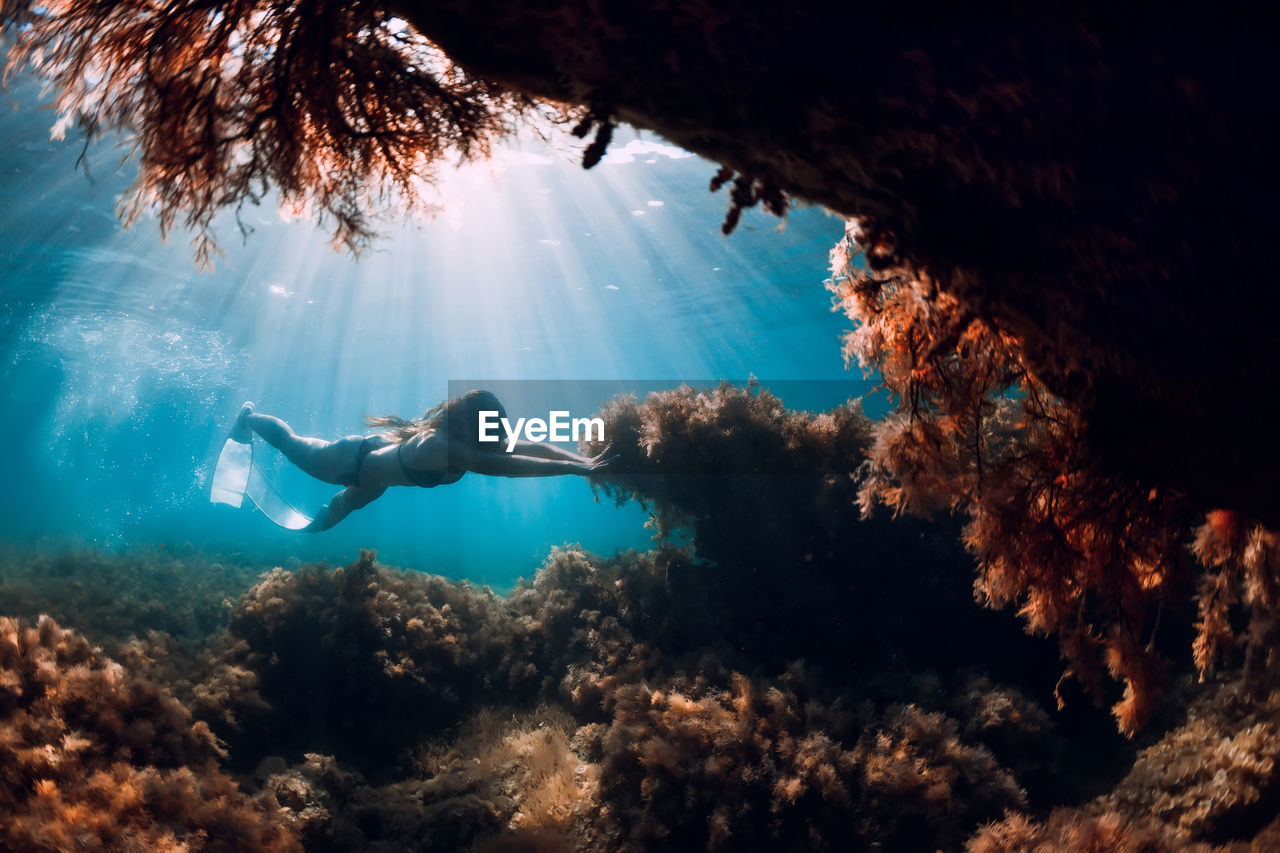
point(425, 479)
point(370, 444)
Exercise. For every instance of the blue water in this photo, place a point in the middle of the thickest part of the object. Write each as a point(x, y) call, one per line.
point(123, 364)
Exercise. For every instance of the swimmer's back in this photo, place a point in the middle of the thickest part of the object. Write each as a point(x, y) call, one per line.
point(422, 460)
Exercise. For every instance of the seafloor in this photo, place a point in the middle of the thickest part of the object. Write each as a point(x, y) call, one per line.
point(775, 674)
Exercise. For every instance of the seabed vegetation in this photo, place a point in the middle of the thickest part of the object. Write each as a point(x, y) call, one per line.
point(640, 701)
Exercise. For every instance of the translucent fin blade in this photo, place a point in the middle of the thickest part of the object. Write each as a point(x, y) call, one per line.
point(231, 475)
point(236, 477)
point(273, 505)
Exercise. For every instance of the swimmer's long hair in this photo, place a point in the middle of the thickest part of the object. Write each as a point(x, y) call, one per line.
point(457, 417)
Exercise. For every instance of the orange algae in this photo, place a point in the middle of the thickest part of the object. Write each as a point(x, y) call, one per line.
point(93, 758)
point(1085, 553)
point(625, 730)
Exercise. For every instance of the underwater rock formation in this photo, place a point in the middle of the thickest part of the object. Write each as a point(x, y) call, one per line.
point(687, 452)
point(361, 661)
point(1213, 776)
point(721, 769)
point(509, 781)
point(1089, 555)
point(93, 758)
point(400, 656)
point(1068, 831)
point(592, 710)
point(1210, 779)
point(644, 698)
point(599, 624)
point(770, 497)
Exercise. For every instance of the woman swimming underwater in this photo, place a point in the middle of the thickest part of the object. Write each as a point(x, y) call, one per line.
point(434, 450)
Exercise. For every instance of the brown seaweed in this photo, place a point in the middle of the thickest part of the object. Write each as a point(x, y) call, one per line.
point(94, 758)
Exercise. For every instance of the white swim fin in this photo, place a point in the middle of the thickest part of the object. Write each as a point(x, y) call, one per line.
point(231, 476)
point(235, 477)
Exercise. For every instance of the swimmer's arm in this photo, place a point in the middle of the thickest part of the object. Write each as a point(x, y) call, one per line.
point(503, 464)
point(343, 504)
point(546, 450)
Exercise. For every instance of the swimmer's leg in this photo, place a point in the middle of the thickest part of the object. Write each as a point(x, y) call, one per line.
point(330, 461)
point(343, 504)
